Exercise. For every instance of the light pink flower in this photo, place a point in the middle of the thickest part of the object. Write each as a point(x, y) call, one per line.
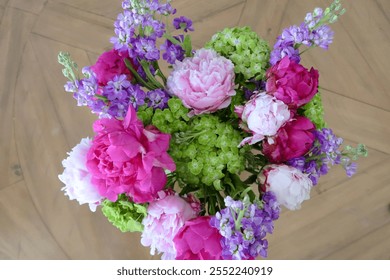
point(165, 217)
point(198, 240)
point(127, 158)
point(204, 83)
point(76, 177)
point(262, 115)
point(290, 186)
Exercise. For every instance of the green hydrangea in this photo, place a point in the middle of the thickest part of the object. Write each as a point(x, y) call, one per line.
point(314, 111)
point(172, 119)
point(249, 53)
point(125, 215)
point(204, 148)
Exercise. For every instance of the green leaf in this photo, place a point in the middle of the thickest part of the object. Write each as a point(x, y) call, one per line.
point(145, 66)
point(172, 39)
point(187, 45)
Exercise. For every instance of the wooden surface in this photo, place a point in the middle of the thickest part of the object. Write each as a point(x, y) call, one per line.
point(345, 219)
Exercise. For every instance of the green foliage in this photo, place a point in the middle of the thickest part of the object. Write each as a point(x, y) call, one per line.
point(124, 214)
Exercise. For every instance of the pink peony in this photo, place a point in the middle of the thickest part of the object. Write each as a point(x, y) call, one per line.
point(204, 83)
point(293, 140)
point(109, 65)
point(292, 83)
point(262, 115)
point(165, 217)
point(290, 186)
point(76, 177)
point(198, 240)
point(127, 158)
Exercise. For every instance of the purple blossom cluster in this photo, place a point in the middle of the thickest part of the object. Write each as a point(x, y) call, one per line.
point(173, 52)
point(244, 226)
point(325, 153)
point(183, 23)
point(310, 33)
point(137, 31)
point(114, 99)
point(157, 99)
point(128, 40)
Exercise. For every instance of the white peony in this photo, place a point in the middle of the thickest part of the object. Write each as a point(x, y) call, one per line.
point(290, 186)
point(165, 218)
point(76, 177)
point(262, 115)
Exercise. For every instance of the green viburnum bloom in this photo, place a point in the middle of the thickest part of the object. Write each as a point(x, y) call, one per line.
point(249, 53)
point(203, 147)
point(208, 148)
point(124, 214)
point(314, 111)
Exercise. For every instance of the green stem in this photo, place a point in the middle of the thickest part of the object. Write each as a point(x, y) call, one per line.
point(137, 76)
point(305, 50)
point(152, 79)
point(245, 192)
point(188, 136)
point(237, 223)
point(220, 200)
point(101, 97)
point(159, 72)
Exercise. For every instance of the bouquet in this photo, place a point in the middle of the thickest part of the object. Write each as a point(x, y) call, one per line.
point(202, 157)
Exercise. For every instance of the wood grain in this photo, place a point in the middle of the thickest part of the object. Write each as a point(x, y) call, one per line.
point(344, 219)
point(3, 3)
point(34, 7)
point(14, 31)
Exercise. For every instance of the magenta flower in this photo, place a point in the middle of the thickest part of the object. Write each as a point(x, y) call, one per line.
point(109, 65)
point(292, 83)
point(293, 140)
point(198, 240)
point(127, 158)
point(204, 83)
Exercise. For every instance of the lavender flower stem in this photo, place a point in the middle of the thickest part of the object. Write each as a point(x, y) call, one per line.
point(145, 66)
point(137, 76)
point(237, 222)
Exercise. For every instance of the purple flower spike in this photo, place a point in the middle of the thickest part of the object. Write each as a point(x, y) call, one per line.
point(248, 240)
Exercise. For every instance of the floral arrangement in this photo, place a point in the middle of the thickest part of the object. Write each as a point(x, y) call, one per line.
point(201, 159)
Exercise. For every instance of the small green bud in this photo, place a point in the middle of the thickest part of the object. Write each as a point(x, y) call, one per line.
point(195, 167)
